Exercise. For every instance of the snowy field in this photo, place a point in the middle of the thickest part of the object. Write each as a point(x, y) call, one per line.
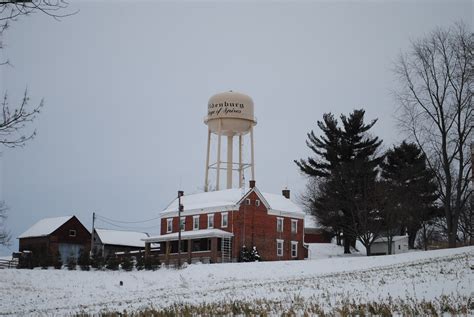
point(442, 279)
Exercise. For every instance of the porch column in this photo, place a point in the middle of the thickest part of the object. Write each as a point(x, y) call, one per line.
point(213, 250)
point(167, 253)
point(190, 256)
point(147, 249)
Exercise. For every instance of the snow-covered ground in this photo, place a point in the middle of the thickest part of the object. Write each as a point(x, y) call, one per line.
point(410, 277)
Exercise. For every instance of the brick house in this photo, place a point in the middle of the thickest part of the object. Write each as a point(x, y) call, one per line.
point(216, 225)
point(66, 235)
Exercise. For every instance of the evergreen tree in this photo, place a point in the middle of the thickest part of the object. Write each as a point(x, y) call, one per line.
point(345, 168)
point(412, 188)
point(97, 261)
point(71, 263)
point(84, 260)
point(254, 255)
point(112, 263)
point(126, 264)
point(57, 262)
point(244, 254)
point(140, 262)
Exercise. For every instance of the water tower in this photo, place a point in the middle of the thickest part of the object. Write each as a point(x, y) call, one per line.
point(229, 114)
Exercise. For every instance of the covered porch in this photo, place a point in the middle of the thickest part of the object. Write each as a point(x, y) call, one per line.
point(206, 246)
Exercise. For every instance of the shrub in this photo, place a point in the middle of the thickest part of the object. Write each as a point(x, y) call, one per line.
point(71, 263)
point(84, 260)
point(112, 263)
point(97, 261)
point(140, 262)
point(127, 264)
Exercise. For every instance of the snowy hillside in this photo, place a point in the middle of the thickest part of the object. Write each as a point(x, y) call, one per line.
point(439, 280)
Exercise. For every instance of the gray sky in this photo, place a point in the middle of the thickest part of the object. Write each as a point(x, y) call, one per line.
point(126, 87)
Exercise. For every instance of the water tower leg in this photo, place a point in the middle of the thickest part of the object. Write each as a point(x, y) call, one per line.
point(252, 162)
point(229, 161)
point(218, 155)
point(206, 180)
point(240, 162)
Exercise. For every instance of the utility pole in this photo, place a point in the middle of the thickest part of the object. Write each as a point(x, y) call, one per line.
point(92, 235)
point(180, 209)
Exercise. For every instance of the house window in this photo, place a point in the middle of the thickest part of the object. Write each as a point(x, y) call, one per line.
point(224, 220)
point(279, 224)
point(182, 223)
point(210, 221)
point(294, 249)
point(169, 225)
point(399, 247)
point(247, 201)
point(257, 202)
point(195, 222)
point(279, 247)
point(72, 233)
point(294, 226)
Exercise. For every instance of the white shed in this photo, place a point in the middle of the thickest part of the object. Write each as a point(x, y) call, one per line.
point(380, 245)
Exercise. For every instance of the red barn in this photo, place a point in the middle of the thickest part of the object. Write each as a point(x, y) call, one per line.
point(66, 235)
point(215, 226)
point(314, 232)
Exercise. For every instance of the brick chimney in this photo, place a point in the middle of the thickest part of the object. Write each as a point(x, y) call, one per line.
point(252, 184)
point(286, 193)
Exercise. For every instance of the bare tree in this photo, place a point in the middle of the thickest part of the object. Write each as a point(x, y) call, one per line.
point(436, 78)
point(4, 233)
point(15, 119)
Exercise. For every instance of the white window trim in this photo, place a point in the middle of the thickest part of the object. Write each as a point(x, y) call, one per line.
point(72, 233)
point(282, 223)
point(294, 243)
point(294, 221)
point(195, 222)
point(209, 216)
point(279, 241)
point(257, 202)
point(247, 201)
point(169, 225)
point(183, 220)
point(226, 214)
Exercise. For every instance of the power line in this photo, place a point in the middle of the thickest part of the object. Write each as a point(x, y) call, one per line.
point(119, 221)
point(124, 227)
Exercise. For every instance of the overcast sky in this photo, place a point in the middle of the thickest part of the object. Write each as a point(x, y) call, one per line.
point(126, 86)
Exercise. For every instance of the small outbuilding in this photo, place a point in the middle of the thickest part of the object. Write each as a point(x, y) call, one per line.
point(314, 232)
point(399, 245)
point(108, 242)
point(65, 236)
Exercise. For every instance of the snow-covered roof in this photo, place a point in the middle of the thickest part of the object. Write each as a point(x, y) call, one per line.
point(394, 238)
point(228, 200)
point(124, 238)
point(195, 234)
point(44, 227)
point(311, 222)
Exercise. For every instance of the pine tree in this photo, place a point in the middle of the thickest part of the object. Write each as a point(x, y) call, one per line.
point(254, 255)
point(84, 260)
point(126, 264)
point(344, 168)
point(112, 263)
point(412, 187)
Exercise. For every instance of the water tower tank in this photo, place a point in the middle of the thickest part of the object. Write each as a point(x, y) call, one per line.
point(231, 110)
point(229, 114)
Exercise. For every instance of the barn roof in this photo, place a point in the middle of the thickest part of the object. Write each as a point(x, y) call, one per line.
point(44, 227)
point(123, 238)
point(385, 239)
point(229, 199)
